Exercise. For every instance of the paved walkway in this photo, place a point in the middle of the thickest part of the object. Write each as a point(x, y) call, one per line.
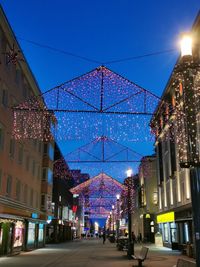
point(89, 253)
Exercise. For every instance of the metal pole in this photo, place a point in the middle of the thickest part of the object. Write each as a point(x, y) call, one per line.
point(130, 241)
point(195, 195)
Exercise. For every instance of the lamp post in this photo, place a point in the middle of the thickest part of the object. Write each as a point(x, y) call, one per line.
point(117, 217)
point(188, 71)
point(110, 224)
point(129, 185)
point(113, 219)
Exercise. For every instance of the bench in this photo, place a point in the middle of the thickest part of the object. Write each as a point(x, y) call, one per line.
point(185, 263)
point(142, 256)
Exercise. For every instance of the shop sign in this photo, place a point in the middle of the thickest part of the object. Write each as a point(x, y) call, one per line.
point(34, 215)
point(166, 217)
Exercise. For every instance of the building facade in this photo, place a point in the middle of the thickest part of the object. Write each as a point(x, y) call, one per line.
point(168, 123)
point(146, 202)
point(22, 220)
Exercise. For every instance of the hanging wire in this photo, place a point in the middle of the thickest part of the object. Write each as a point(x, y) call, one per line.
point(96, 61)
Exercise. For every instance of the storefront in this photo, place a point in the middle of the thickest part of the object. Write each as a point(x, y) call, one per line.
point(168, 229)
point(35, 234)
point(11, 234)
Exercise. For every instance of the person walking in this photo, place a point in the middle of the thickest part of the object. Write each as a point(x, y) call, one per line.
point(104, 237)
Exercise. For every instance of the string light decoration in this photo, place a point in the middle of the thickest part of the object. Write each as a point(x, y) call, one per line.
point(181, 125)
point(100, 193)
point(32, 120)
point(128, 195)
point(97, 103)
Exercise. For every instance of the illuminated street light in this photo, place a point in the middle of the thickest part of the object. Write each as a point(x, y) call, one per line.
point(129, 173)
point(118, 196)
point(186, 45)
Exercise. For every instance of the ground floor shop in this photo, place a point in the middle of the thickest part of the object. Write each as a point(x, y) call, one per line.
point(58, 231)
point(176, 228)
point(18, 233)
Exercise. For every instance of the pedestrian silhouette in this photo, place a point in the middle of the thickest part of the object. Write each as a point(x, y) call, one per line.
point(104, 237)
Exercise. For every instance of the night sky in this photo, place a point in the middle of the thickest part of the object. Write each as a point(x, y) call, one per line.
point(102, 31)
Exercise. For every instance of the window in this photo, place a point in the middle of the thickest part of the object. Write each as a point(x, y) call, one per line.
point(40, 147)
point(1, 179)
point(12, 148)
point(160, 162)
point(39, 173)
point(17, 75)
point(50, 176)
point(31, 197)
point(44, 174)
point(4, 100)
point(1, 137)
point(18, 189)
point(166, 235)
point(33, 168)
point(27, 163)
point(37, 200)
point(9, 186)
point(20, 154)
point(43, 202)
point(25, 193)
point(51, 151)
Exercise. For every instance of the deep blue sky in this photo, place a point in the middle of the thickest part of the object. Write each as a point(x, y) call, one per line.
point(101, 30)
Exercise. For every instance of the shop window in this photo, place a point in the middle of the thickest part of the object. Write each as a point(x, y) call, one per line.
point(41, 232)
point(186, 232)
point(31, 233)
point(166, 234)
point(9, 185)
point(152, 226)
point(18, 234)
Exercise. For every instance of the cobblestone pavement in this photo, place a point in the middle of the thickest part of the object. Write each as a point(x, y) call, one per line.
point(89, 253)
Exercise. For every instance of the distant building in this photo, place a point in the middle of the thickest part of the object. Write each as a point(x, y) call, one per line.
point(146, 200)
point(59, 228)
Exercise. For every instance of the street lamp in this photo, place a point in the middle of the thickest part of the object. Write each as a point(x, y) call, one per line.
point(110, 221)
point(130, 251)
point(113, 207)
point(186, 45)
point(117, 217)
point(187, 72)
